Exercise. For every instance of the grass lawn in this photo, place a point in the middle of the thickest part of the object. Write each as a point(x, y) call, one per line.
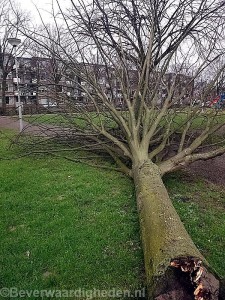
point(180, 118)
point(199, 120)
point(67, 225)
point(66, 119)
point(179, 121)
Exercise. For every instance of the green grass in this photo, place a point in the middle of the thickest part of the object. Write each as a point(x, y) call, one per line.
point(75, 119)
point(179, 121)
point(199, 120)
point(55, 119)
point(67, 226)
point(179, 118)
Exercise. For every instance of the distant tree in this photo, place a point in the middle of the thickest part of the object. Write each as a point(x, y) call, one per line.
point(148, 54)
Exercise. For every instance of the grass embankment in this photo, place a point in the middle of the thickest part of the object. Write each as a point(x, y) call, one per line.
point(66, 226)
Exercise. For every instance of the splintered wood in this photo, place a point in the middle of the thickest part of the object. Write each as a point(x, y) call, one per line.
point(206, 286)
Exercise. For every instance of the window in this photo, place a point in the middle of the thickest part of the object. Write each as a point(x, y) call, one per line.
point(7, 100)
point(9, 76)
point(59, 88)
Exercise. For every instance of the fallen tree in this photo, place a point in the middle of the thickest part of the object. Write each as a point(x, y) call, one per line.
point(135, 65)
point(166, 244)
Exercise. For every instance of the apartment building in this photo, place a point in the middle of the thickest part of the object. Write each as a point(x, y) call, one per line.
point(45, 83)
point(39, 85)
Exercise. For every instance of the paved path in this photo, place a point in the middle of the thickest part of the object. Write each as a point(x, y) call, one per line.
point(212, 170)
point(13, 123)
point(9, 123)
point(42, 129)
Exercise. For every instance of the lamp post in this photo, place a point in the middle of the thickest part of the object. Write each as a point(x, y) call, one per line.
point(15, 42)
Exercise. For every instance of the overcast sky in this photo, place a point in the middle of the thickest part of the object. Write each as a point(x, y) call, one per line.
point(30, 4)
point(43, 5)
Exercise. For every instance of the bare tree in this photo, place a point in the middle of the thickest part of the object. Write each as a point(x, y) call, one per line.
point(9, 23)
point(135, 63)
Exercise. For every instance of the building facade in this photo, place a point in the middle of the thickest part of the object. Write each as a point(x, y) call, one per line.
point(45, 83)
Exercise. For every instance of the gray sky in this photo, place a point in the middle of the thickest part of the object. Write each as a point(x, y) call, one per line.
point(30, 4)
point(43, 5)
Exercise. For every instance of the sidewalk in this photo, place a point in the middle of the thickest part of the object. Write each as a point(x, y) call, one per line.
point(10, 123)
point(13, 123)
point(44, 130)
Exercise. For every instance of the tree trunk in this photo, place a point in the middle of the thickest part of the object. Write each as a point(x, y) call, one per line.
point(175, 269)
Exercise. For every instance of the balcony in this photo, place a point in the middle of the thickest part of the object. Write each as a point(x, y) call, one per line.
point(30, 94)
point(15, 80)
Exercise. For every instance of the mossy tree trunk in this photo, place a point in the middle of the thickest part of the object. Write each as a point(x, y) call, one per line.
point(175, 269)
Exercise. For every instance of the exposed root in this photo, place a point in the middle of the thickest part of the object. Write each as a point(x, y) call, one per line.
point(206, 286)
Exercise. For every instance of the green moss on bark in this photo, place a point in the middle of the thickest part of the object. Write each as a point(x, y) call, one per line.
point(164, 236)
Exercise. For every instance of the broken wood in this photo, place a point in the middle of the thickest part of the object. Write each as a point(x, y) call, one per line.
point(206, 286)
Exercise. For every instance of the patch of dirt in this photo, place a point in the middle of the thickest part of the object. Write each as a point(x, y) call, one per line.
point(47, 274)
point(13, 228)
point(212, 170)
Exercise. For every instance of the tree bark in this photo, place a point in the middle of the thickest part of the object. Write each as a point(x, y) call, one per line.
point(175, 269)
